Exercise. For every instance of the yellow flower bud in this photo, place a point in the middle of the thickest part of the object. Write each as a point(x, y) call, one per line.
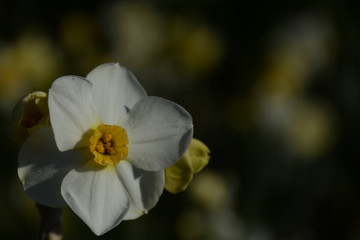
point(30, 113)
point(179, 175)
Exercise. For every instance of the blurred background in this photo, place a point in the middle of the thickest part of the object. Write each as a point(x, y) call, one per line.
point(273, 88)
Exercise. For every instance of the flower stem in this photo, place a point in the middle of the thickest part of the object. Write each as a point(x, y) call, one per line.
point(51, 226)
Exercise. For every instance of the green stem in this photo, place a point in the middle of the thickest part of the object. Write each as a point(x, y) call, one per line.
point(51, 226)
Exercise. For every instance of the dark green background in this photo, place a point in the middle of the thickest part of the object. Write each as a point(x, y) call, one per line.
point(271, 191)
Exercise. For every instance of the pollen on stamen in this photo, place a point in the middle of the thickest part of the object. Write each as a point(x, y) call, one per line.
point(106, 138)
point(100, 148)
point(110, 151)
point(107, 145)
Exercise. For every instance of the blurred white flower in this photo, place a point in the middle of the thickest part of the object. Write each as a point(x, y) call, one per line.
point(114, 142)
point(177, 51)
point(283, 110)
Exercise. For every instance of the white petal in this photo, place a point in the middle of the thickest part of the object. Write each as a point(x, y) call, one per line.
point(97, 196)
point(42, 167)
point(144, 188)
point(72, 111)
point(115, 91)
point(159, 132)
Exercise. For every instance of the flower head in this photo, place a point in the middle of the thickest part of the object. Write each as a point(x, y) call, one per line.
point(107, 149)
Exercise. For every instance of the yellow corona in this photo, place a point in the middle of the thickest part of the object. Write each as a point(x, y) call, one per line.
point(108, 144)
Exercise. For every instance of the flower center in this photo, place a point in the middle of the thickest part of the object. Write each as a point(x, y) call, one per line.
point(108, 144)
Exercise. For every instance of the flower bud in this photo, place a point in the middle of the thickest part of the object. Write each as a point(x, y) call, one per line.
point(179, 175)
point(30, 113)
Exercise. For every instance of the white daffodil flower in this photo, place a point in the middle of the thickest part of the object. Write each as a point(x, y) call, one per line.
point(107, 147)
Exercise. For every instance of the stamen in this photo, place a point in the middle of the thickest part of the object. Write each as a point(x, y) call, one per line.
point(109, 144)
point(106, 137)
point(100, 148)
point(110, 151)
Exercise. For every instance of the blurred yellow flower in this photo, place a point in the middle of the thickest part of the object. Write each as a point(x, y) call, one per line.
point(30, 113)
point(211, 191)
point(179, 175)
point(178, 50)
point(195, 45)
point(29, 63)
point(283, 108)
point(312, 130)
